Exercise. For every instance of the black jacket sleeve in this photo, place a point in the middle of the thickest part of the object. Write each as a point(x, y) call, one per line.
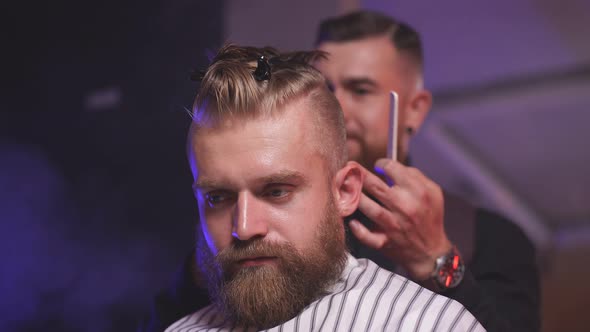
point(501, 284)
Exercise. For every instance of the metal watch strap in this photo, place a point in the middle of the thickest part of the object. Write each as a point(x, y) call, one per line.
point(448, 272)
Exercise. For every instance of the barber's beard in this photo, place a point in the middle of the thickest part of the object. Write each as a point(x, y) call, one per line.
point(359, 151)
point(268, 295)
point(366, 155)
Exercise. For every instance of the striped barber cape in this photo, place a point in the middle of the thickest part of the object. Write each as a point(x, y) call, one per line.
point(367, 298)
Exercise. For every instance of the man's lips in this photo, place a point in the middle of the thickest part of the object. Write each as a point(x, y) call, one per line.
point(256, 261)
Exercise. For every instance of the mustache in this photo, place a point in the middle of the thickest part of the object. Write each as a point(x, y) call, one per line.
point(252, 248)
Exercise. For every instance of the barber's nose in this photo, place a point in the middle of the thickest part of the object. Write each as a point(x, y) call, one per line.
point(344, 104)
point(249, 218)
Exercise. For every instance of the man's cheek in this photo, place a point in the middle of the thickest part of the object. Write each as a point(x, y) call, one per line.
point(217, 235)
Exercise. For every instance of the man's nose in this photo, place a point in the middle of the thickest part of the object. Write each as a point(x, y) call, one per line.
point(249, 218)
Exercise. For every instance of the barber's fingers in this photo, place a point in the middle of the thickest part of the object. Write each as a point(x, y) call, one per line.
point(375, 187)
point(399, 174)
point(387, 220)
point(371, 239)
point(411, 187)
point(392, 170)
point(379, 190)
point(396, 199)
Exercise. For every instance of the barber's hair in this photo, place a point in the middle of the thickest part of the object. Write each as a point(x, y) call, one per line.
point(365, 24)
point(250, 82)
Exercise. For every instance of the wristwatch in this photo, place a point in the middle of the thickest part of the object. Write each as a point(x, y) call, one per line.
point(448, 271)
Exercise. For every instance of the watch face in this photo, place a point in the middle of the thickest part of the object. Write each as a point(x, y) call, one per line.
point(450, 272)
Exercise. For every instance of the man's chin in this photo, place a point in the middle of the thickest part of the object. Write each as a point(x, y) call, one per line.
point(276, 281)
point(240, 270)
point(261, 296)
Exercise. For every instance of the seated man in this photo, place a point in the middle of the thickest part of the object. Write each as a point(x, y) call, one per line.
point(267, 149)
point(416, 228)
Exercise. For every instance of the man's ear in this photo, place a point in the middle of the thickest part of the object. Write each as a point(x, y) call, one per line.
point(418, 108)
point(348, 187)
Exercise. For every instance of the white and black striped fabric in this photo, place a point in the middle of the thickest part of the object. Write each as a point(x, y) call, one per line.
point(367, 298)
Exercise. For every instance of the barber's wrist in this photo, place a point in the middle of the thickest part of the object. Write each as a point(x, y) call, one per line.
point(423, 270)
point(448, 271)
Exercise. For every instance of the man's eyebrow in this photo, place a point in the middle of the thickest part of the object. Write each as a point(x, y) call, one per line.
point(207, 183)
point(285, 176)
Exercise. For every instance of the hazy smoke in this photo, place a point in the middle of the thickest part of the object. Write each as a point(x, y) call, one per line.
point(64, 266)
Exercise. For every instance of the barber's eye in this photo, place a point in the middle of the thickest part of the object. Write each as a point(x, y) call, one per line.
point(361, 92)
point(330, 87)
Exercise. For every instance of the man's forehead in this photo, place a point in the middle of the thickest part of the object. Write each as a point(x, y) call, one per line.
point(277, 135)
point(267, 110)
point(239, 133)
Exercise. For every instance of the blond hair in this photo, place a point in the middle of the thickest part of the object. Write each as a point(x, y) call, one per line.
point(229, 89)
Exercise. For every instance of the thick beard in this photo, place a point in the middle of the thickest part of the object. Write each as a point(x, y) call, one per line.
point(266, 296)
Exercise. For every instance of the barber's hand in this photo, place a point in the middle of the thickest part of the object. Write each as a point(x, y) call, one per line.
point(409, 226)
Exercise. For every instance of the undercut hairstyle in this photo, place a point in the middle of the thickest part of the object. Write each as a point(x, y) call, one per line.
point(365, 24)
point(234, 87)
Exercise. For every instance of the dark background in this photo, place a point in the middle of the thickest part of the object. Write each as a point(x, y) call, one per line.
point(96, 208)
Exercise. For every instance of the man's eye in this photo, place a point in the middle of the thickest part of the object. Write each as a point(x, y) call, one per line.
point(216, 198)
point(277, 192)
